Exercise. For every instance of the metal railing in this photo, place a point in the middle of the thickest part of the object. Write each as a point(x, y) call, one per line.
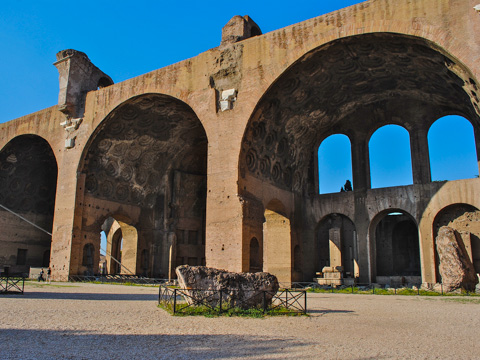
point(12, 284)
point(185, 301)
point(119, 279)
point(431, 289)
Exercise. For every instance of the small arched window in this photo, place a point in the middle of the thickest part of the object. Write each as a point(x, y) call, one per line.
point(451, 146)
point(334, 164)
point(390, 157)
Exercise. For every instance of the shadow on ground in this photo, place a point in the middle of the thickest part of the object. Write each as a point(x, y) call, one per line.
point(46, 344)
point(325, 311)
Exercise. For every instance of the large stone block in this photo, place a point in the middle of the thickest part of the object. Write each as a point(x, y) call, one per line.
point(456, 268)
point(244, 290)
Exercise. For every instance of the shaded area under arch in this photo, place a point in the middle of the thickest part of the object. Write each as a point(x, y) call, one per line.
point(28, 183)
point(147, 161)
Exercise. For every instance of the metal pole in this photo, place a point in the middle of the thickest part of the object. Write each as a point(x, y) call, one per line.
point(174, 300)
point(220, 291)
point(264, 302)
point(305, 305)
point(28, 221)
point(286, 298)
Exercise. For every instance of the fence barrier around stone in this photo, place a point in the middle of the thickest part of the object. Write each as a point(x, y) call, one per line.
point(119, 279)
point(12, 284)
point(427, 289)
point(186, 301)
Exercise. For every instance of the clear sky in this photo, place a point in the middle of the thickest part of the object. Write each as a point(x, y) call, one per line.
point(129, 38)
point(123, 38)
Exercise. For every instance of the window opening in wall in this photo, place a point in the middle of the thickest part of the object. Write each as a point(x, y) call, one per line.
point(451, 146)
point(88, 258)
point(21, 256)
point(102, 266)
point(256, 263)
point(335, 164)
point(46, 258)
point(390, 157)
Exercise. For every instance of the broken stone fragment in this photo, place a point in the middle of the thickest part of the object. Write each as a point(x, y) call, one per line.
point(244, 290)
point(455, 267)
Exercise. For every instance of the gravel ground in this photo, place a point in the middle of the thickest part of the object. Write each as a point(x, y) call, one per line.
point(90, 321)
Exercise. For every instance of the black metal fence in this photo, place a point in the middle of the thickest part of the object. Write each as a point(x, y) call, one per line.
point(120, 279)
point(187, 301)
point(12, 284)
point(430, 289)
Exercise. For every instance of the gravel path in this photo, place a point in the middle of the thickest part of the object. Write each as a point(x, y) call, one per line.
point(89, 321)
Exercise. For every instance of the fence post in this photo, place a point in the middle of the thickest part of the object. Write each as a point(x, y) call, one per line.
point(220, 291)
point(352, 289)
point(286, 299)
point(395, 289)
point(373, 287)
point(305, 304)
point(264, 302)
point(441, 287)
point(174, 300)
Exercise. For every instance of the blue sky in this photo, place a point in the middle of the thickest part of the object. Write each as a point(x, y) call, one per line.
point(126, 39)
point(123, 38)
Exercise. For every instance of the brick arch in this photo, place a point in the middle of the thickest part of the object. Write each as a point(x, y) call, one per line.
point(310, 100)
point(397, 254)
point(147, 160)
point(28, 187)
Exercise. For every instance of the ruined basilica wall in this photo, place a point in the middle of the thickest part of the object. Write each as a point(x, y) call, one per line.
point(262, 60)
point(250, 67)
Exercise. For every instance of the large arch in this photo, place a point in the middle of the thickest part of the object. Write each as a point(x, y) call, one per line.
point(395, 248)
point(353, 86)
point(336, 245)
point(28, 183)
point(277, 242)
point(147, 161)
point(464, 219)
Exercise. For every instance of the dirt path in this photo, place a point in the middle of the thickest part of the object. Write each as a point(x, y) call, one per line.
point(88, 321)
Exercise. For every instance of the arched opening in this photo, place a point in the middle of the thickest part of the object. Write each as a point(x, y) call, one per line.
point(117, 247)
point(277, 243)
point(390, 157)
point(256, 261)
point(464, 220)
point(335, 164)
point(104, 82)
point(354, 86)
point(336, 248)
point(396, 248)
point(452, 150)
point(88, 258)
point(147, 162)
point(28, 182)
point(122, 243)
